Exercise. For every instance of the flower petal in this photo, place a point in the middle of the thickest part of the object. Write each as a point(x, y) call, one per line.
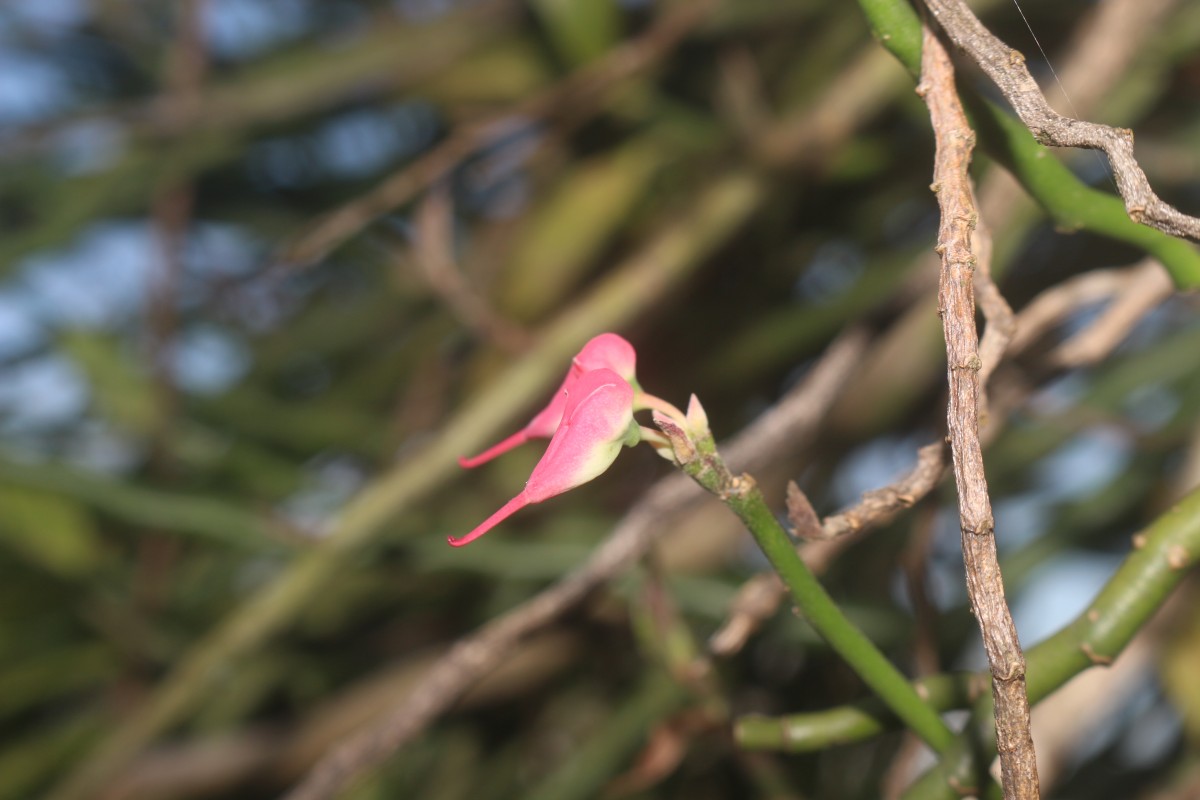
point(506, 511)
point(596, 422)
point(606, 351)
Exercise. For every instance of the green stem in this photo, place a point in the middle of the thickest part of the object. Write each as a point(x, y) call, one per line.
point(1068, 200)
point(856, 722)
point(742, 496)
point(1164, 553)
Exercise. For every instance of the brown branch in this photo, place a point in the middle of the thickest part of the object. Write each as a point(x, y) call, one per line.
point(956, 302)
point(433, 252)
point(760, 597)
point(1147, 285)
point(795, 417)
point(1131, 292)
point(171, 209)
point(1053, 305)
point(571, 100)
point(1006, 67)
point(1001, 324)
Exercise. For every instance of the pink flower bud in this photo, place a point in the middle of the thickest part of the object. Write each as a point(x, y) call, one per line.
point(606, 351)
point(597, 420)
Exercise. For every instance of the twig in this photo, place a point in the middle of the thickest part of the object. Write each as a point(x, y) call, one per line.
point(985, 585)
point(576, 96)
point(1006, 67)
point(433, 252)
point(698, 457)
point(1056, 303)
point(796, 415)
point(1001, 325)
point(1132, 292)
point(1147, 285)
point(760, 597)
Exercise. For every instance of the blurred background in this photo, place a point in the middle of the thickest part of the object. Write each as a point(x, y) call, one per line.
point(267, 266)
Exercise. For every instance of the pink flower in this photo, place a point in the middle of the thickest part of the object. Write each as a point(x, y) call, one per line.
point(597, 420)
point(607, 351)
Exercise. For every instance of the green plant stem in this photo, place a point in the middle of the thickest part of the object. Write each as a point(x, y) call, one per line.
point(1071, 203)
point(743, 497)
point(856, 722)
point(1163, 554)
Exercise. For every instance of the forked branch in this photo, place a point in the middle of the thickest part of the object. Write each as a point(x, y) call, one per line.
point(1006, 67)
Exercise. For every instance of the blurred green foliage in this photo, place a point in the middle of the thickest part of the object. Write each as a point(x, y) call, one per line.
point(226, 478)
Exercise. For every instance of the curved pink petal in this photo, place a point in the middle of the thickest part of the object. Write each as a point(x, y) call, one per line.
point(506, 511)
point(606, 351)
point(516, 440)
point(542, 426)
point(597, 422)
point(595, 425)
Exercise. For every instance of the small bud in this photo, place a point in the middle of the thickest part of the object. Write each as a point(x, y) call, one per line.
point(697, 419)
point(681, 441)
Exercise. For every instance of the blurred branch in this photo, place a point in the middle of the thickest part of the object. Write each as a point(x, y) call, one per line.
point(433, 252)
point(387, 56)
point(628, 291)
point(190, 515)
point(1146, 287)
point(1103, 46)
point(573, 99)
point(171, 209)
point(796, 416)
point(956, 302)
point(1131, 292)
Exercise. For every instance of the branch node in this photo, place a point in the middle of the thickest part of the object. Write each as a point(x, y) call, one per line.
point(1178, 558)
point(1096, 658)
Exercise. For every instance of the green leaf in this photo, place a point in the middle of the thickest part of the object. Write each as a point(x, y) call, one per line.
point(582, 30)
point(48, 530)
point(575, 222)
point(122, 392)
